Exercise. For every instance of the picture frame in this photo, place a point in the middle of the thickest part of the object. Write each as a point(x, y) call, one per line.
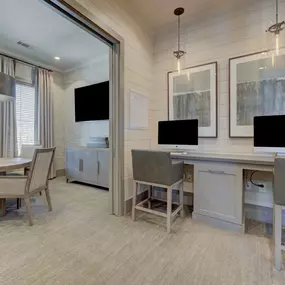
point(192, 94)
point(256, 88)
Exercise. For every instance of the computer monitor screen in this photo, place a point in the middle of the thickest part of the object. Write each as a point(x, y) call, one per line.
point(178, 134)
point(268, 133)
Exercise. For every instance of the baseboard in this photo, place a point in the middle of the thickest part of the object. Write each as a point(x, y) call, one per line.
point(218, 223)
point(60, 172)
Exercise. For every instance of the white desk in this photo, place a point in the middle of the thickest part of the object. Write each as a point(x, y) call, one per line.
point(218, 185)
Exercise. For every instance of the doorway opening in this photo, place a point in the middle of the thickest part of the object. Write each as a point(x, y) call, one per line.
point(83, 18)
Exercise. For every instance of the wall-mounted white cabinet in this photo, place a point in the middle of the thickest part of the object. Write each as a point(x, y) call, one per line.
point(88, 165)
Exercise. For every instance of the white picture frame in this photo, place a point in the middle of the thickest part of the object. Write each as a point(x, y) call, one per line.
point(138, 119)
point(192, 94)
point(253, 82)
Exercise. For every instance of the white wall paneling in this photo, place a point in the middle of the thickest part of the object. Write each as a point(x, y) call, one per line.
point(216, 35)
point(78, 134)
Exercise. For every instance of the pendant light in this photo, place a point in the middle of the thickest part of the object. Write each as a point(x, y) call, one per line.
point(276, 29)
point(7, 87)
point(178, 53)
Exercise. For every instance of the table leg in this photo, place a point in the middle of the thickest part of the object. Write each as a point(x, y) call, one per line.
point(3, 206)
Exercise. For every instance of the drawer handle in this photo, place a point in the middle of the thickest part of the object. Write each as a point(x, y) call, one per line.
point(216, 172)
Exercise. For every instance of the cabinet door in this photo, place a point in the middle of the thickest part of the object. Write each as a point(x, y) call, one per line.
point(90, 166)
point(218, 191)
point(73, 163)
point(103, 168)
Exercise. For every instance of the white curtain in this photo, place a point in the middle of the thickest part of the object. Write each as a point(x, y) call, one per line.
point(45, 113)
point(8, 129)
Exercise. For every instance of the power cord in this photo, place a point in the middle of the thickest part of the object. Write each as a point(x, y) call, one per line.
point(253, 183)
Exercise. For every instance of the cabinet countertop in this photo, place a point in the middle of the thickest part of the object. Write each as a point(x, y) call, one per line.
point(227, 157)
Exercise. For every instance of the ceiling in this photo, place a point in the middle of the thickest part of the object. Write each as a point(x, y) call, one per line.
point(160, 12)
point(48, 35)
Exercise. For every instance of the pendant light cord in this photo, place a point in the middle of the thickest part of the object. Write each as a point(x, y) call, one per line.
point(276, 11)
point(178, 33)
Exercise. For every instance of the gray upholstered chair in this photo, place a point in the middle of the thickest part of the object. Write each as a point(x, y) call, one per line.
point(279, 204)
point(26, 186)
point(155, 168)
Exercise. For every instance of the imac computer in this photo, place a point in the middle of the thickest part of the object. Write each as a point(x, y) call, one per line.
point(269, 135)
point(179, 134)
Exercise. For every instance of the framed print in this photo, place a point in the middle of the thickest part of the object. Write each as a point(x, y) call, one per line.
point(256, 88)
point(192, 94)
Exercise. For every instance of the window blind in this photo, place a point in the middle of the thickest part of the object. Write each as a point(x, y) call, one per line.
point(25, 115)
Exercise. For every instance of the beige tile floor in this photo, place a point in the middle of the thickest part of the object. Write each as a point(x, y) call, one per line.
point(80, 243)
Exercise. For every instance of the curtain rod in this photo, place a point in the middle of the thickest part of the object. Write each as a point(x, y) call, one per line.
point(26, 62)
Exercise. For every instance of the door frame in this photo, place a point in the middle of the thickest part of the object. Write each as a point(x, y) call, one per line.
point(80, 16)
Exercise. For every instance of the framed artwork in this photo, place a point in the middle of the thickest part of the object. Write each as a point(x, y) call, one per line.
point(256, 88)
point(192, 94)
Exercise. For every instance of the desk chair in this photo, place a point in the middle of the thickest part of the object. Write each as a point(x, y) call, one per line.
point(155, 168)
point(279, 205)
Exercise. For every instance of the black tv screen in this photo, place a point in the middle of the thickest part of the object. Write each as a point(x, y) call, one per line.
point(92, 102)
point(179, 132)
point(268, 131)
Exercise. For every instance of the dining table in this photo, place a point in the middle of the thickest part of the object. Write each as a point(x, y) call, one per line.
point(11, 164)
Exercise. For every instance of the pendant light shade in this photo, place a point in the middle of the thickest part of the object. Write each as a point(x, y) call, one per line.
point(7, 87)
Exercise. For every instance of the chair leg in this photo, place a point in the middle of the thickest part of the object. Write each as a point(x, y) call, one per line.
point(169, 209)
point(134, 200)
point(3, 206)
point(181, 198)
point(29, 209)
point(19, 203)
point(278, 235)
point(48, 199)
point(149, 196)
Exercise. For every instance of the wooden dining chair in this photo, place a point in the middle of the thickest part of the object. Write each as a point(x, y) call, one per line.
point(27, 151)
point(24, 187)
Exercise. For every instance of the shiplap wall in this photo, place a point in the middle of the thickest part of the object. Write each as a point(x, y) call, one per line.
point(138, 70)
point(215, 35)
point(78, 134)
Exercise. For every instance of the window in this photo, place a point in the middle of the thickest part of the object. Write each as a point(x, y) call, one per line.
point(25, 114)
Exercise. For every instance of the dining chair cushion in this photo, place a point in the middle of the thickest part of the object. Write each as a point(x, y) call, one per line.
point(12, 186)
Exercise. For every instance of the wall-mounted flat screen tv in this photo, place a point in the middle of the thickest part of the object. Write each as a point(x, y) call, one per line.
point(92, 102)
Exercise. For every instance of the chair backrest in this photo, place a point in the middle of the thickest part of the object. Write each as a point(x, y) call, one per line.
point(40, 169)
point(279, 181)
point(27, 150)
point(152, 166)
